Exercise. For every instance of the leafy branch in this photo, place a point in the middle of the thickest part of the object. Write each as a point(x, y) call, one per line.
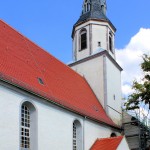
point(141, 92)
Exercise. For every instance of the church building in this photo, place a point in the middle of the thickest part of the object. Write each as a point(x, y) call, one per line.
point(47, 105)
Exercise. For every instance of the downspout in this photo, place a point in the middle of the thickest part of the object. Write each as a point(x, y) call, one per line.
point(105, 82)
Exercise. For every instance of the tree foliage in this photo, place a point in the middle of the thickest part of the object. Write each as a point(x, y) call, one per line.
point(141, 92)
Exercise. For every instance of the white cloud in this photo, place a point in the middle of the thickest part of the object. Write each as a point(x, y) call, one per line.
point(126, 89)
point(130, 58)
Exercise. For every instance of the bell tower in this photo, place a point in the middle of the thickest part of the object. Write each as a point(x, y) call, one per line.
point(94, 56)
point(93, 32)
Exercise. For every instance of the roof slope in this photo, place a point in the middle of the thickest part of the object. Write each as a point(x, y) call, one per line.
point(107, 143)
point(22, 63)
point(95, 13)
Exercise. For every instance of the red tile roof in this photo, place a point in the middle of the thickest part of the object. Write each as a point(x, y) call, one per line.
point(22, 62)
point(107, 143)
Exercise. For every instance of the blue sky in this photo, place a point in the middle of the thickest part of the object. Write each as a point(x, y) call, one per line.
point(49, 23)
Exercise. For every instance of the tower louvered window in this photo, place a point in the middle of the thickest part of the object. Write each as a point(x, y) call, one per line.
point(110, 42)
point(25, 127)
point(83, 39)
point(87, 6)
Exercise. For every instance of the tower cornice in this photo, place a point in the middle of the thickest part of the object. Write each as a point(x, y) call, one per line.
point(94, 19)
point(105, 52)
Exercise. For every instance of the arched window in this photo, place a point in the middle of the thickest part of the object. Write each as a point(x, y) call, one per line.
point(77, 135)
point(25, 127)
point(113, 134)
point(83, 39)
point(110, 42)
point(28, 127)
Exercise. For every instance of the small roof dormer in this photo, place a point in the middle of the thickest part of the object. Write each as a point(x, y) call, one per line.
point(86, 6)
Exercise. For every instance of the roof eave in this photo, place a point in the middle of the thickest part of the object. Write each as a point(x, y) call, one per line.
point(52, 100)
point(105, 52)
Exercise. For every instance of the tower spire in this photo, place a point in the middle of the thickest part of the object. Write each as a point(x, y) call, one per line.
point(93, 9)
point(94, 55)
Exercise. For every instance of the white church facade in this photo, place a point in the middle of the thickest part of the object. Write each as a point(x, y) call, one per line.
point(47, 105)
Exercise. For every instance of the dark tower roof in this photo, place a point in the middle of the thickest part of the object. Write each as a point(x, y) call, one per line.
point(95, 10)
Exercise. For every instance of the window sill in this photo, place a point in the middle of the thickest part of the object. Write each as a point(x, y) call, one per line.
point(82, 49)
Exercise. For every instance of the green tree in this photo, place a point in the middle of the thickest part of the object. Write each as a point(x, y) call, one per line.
point(141, 92)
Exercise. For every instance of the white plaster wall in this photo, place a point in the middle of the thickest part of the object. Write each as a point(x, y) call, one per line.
point(9, 119)
point(92, 70)
point(55, 127)
point(113, 78)
point(54, 124)
point(123, 145)
point(92, 131)
point(97, 31)
point(80, 54)
point(99, 34)
point(105, 80)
